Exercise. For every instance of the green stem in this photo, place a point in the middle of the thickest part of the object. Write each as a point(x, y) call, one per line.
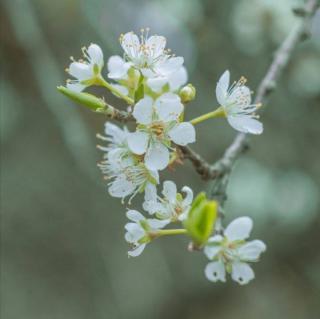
point(168, 232)
point(219, 112)
point(101, 81)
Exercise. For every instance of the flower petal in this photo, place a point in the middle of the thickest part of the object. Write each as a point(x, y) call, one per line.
point(117, 67)
point(76, 87)
point(143, 110)
point(251, 251)
point(81, 71)
point(183, 133)
point(121, 187)
point(215, 271)
point(239, 229)
point(242, 273)
point(156, 44)
point(116, 133)
point(136, 252)
point(213, 246)
point(211, 251)
point(222, 88)
point(169, 66)
point(134, 215)
point(168, 107)
point(138, 142)
point(134, 232)
point(189, 196)
point(157, 156)
point(157, 224)
point(245, 124)
point(178, 78)
point(170, 191)
point(156, 84)
point(96, 55)
point(130, 43)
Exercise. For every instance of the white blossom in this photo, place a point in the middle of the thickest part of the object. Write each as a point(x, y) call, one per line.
point(137, 231)
point(236, 103)
point(126, 174)
point(158, 126)
point(86, 71)
point(172, 206)
point(231, 253)
point(148, 54)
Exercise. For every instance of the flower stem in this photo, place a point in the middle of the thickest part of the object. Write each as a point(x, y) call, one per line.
point(219, 112)
point(101, 81)
point(168, 232)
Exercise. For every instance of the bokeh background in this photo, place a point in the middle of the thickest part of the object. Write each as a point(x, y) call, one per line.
point(63, 251)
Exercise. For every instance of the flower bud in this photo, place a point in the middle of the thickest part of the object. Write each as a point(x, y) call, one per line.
point(201, 219)
point(86, 99)
point(187, 93)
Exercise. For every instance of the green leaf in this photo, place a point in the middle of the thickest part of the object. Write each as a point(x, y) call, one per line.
point(86, 99)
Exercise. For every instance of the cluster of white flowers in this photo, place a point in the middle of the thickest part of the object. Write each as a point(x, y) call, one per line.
point(150, 79)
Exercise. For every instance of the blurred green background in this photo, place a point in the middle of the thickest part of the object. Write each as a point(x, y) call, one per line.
point(63, 251)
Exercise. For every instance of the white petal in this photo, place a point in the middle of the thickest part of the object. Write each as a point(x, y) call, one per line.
point(156, 45)
point(121, 187)
point(156, 84)
point(183, 133)
point(178, 78)
point(81, 71)
point(150, 192)
point(222, 88)
point(76, 87)
point(130, 43)
point(134, 215)
point(134, 232)
point(242, 273)
point(143, 110)
point(157, 224)
point(251, 250)
point(168, 107)
point(157, 156)
point(239, 229)
point(116, 133)
point(96, 55)
point(211, 251)
point(117, 67)
point(245, 124)
point(169, 66)
point(189, 196)
point(136, 252)
point(138, 142)
point(170, 191)
point(215, 271)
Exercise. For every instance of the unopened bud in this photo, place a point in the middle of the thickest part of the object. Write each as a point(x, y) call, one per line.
point(201, 219)
point(86, 99)
point(187, 93)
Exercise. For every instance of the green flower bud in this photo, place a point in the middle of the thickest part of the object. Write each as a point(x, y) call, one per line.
point(187, 93)
point(86, 99)
point(201, 219)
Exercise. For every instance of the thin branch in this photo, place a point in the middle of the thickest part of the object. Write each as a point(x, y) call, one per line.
point(282, 56)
